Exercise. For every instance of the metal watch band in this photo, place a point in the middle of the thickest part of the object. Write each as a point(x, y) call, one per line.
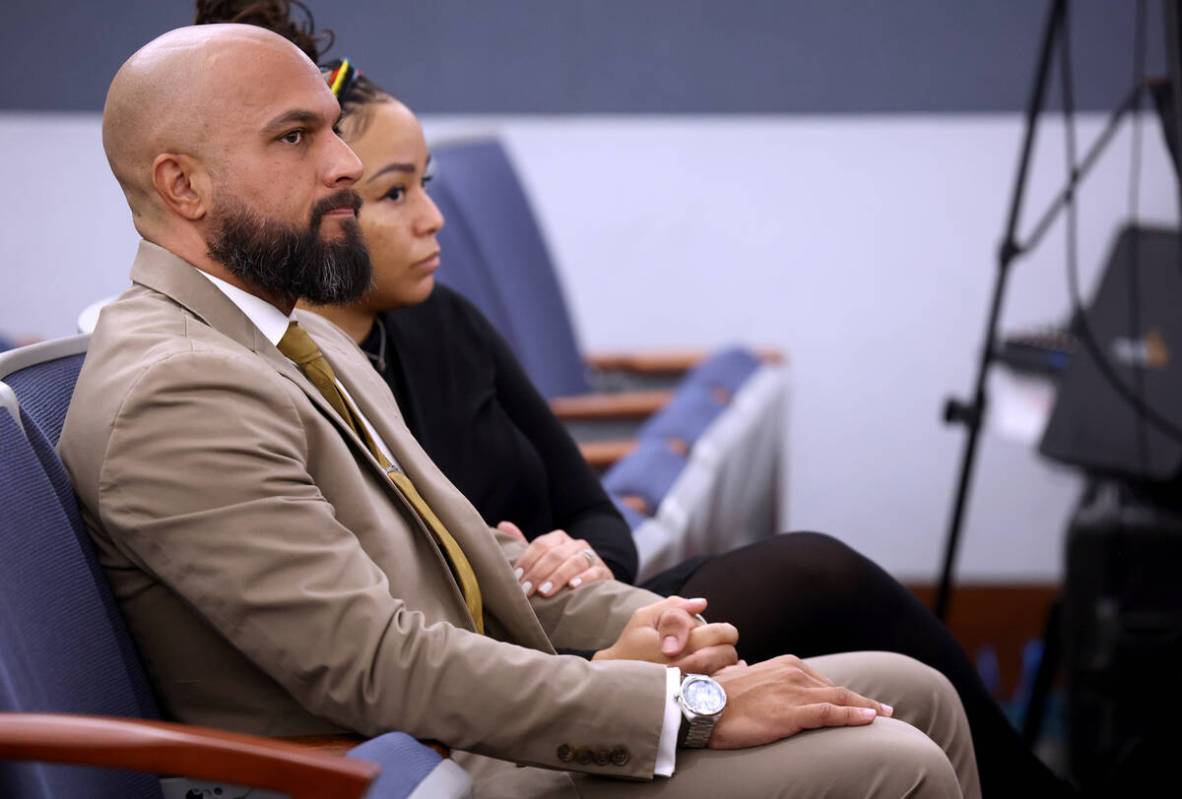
point(698, 731)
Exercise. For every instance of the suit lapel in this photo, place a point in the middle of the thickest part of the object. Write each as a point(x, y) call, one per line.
point(160, 270)
point(502, 595)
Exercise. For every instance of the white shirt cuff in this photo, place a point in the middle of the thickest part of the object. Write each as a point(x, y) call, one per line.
point(667, 746)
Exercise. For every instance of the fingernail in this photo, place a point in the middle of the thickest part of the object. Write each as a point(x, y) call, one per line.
point(526, 587)
point(545, 587)
point(867, 712)
point(888, 710)
point(576, 582)
point(669, 644)
point(517, 573)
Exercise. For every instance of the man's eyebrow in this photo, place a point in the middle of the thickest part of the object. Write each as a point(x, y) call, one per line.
point(295, 117)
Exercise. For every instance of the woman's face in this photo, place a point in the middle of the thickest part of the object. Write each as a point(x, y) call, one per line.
point(398, 220)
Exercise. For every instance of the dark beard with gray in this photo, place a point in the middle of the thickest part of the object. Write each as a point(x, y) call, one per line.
point(284, 261)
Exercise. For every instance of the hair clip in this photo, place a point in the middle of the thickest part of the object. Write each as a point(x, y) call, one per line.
point(340, 78)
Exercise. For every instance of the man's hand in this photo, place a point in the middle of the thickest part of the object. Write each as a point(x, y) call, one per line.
point(554, 561)
point(669, 632)
point(778, 698)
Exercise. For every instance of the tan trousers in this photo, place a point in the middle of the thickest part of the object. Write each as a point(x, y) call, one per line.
point(924, 751)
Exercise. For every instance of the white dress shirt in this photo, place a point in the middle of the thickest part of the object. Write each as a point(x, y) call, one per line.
point(272, 323)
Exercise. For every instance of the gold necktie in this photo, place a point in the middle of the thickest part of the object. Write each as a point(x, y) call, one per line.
point(299, 347)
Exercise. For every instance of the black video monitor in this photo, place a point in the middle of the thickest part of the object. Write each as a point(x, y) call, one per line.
point(1092, 425)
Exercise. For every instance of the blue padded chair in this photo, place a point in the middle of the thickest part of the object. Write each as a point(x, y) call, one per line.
point(646, 474)
point(65, 650)
point(725, 370)
point(483, 200)
point(688, 415)
point(702, 398)
point(463, 265)
point(43, 377)
point(65, 646)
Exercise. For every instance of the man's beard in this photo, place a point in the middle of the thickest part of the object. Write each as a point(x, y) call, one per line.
point(285, 261)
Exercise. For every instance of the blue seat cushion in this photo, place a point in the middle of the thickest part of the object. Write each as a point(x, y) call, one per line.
point(648, 472)
point(726, 369)
point(404, 762)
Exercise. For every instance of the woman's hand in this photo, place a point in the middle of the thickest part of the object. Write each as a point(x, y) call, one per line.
point(554, 561)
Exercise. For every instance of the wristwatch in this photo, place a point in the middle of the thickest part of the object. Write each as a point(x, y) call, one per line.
point(702, 701)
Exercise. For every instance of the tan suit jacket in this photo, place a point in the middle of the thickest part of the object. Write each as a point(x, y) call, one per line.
point(274, 581)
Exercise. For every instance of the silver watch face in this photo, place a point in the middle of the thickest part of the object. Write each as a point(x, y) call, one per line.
point(703, 696)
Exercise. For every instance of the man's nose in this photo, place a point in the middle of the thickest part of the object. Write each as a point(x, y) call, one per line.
point(345, 167)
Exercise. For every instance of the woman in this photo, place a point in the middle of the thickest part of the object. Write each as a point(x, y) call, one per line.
point(468, 402)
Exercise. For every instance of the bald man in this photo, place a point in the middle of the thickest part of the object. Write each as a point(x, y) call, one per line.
point(289, 560)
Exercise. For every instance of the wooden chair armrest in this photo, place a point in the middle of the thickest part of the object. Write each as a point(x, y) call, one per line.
point(601, 455)
point(646, 362)
point(158, 747)
point(339, 745)
point(663, 362)
point(621, 405)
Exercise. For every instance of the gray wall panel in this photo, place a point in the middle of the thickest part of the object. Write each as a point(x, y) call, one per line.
point(626, 56)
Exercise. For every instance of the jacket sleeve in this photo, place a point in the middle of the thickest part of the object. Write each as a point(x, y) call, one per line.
point(205, 485)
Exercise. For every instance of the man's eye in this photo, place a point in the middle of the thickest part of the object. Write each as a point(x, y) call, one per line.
point(294, 137)
point(396, 193)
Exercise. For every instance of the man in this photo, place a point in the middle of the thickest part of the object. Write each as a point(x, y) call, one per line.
point(289, 560)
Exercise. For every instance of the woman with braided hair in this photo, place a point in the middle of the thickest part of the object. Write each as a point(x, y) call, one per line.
point(468, 402)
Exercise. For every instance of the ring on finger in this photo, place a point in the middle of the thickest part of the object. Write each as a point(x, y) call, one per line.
point(589, 555)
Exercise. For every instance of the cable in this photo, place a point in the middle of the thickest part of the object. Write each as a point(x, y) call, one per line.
point(1134, 242)
point(1086, 336)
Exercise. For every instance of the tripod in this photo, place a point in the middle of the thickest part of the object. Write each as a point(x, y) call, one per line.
point(971, 413)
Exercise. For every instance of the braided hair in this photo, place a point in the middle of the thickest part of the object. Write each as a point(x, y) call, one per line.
point(357, 91)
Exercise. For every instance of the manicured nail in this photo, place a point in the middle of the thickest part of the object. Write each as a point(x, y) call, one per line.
point(517, 573)
point(545, 587)
point(867, 712)
point(576, 582)
point(887, 710)
point(526, 587)
point(669, 644)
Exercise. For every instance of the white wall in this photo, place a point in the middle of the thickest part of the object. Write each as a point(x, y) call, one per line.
point(863, 246)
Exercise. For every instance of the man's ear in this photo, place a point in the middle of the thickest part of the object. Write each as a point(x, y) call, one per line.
point(182, 185)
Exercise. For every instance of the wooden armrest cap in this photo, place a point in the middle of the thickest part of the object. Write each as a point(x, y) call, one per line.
point(602, 454)
point(622, 405)
point(159, 747)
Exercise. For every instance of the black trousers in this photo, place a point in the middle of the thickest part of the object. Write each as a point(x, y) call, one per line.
point(808, 594)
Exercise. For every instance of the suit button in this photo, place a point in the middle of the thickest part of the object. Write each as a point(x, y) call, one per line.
point(602, 757)
point(565, 753)
point(584, 756)
point(620, 756)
